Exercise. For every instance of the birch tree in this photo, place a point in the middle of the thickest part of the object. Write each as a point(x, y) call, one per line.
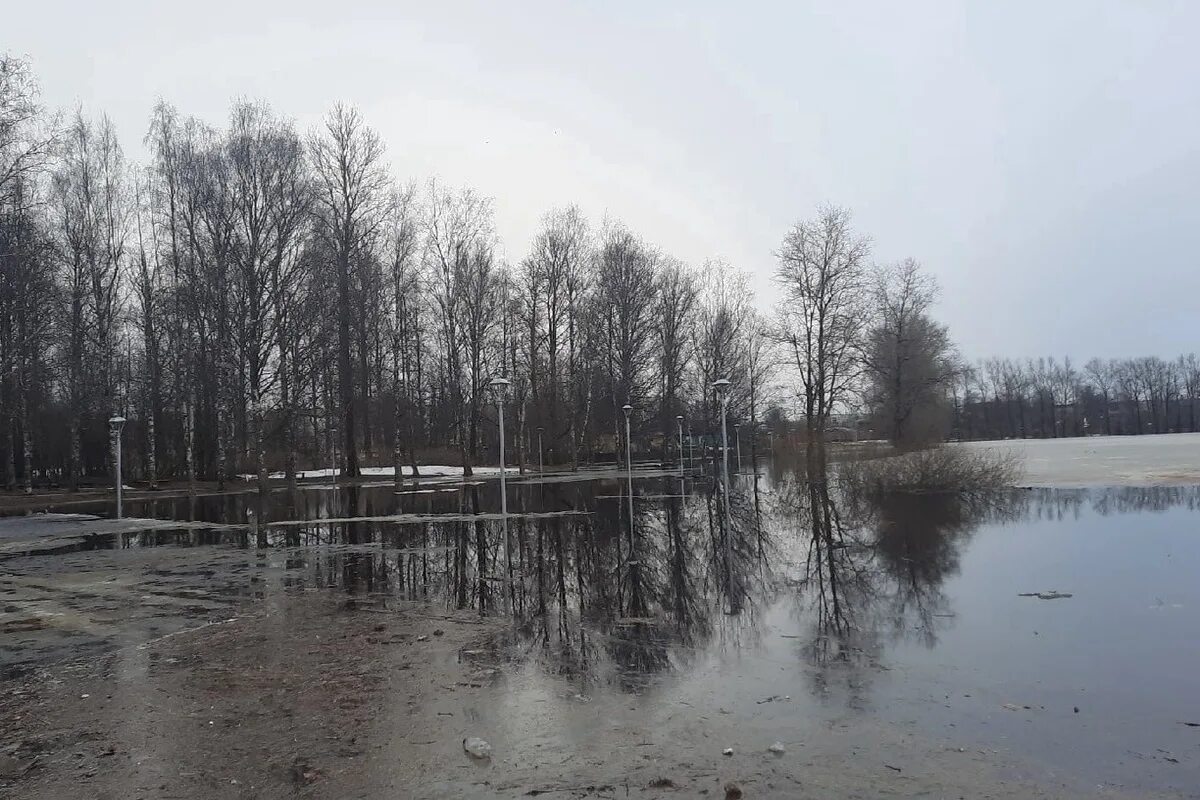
point(352, 201)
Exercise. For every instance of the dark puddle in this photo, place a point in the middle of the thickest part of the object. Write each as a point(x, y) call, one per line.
point(799, 602)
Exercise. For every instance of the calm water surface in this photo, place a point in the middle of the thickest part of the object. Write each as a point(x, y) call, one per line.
point(908, 608)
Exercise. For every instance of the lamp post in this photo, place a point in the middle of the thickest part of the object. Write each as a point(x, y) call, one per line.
point(679, 422)
point(541, 453)
point(628, 409)
point(737, 438)
point(114, 425)
point(500, 387)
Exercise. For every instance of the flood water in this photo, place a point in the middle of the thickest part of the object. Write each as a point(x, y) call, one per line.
point(798, 597)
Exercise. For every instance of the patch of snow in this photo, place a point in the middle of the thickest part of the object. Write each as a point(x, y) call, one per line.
point(434, 471)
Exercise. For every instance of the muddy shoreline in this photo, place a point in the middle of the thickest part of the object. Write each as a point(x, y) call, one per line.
point(328, 697)
point(894, 650)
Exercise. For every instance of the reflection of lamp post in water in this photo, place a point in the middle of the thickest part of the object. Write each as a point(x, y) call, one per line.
point(500, 387)
point(679, 422)
point(114, 425)
point(628, 409)
point(721, 386)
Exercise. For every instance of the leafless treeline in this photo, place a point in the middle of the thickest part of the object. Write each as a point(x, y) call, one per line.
point(1045, 397)
point(255, 297)
point(861, 340)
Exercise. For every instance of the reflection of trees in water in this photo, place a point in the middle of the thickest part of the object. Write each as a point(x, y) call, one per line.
point(917, 542)
point(832, 575)
point(1053, 505)
point(1060, 504)
point(595, 601)
point(1129, 499)
point(872, 568)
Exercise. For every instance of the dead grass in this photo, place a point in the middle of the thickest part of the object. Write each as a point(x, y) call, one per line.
point(932, 471)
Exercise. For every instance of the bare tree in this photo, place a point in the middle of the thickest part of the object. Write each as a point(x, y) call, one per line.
point(678, 290)
point(821, 315)
point(762, 361)
point(559, 253)
point(27, 135)
point(479, 313)
point(352, 201)
point(271, 203)
point(1101, 374)
point(625, 278)
point(28, 291)
point(719, 338)
point(29, 297)
point(403, 240)
point(457, 224)
point(93, 215)
point(146, 281)
point(909, 360)
point(1189, 370)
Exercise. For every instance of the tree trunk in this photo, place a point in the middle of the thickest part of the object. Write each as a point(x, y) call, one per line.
point(345, 375)
point(399, 419)
point(26, 439)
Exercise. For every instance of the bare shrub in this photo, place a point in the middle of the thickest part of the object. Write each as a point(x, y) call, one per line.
point(936, 470)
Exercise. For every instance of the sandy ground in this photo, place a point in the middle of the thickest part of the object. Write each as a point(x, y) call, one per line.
point(345, 699)
point(1158, 460)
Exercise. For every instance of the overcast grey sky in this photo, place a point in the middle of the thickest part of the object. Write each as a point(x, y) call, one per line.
point(1042, 159)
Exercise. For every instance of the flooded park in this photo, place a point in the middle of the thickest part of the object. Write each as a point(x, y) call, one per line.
point(791, 639)
point(436, 401)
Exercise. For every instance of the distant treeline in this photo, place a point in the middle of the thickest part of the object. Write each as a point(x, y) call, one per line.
point(1005, 398)
point(256, 298)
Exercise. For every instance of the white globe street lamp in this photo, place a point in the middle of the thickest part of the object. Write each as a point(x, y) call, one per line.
point(679, 423)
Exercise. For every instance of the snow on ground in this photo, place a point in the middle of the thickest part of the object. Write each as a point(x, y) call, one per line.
point(433, 471)
point(1154, 460)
